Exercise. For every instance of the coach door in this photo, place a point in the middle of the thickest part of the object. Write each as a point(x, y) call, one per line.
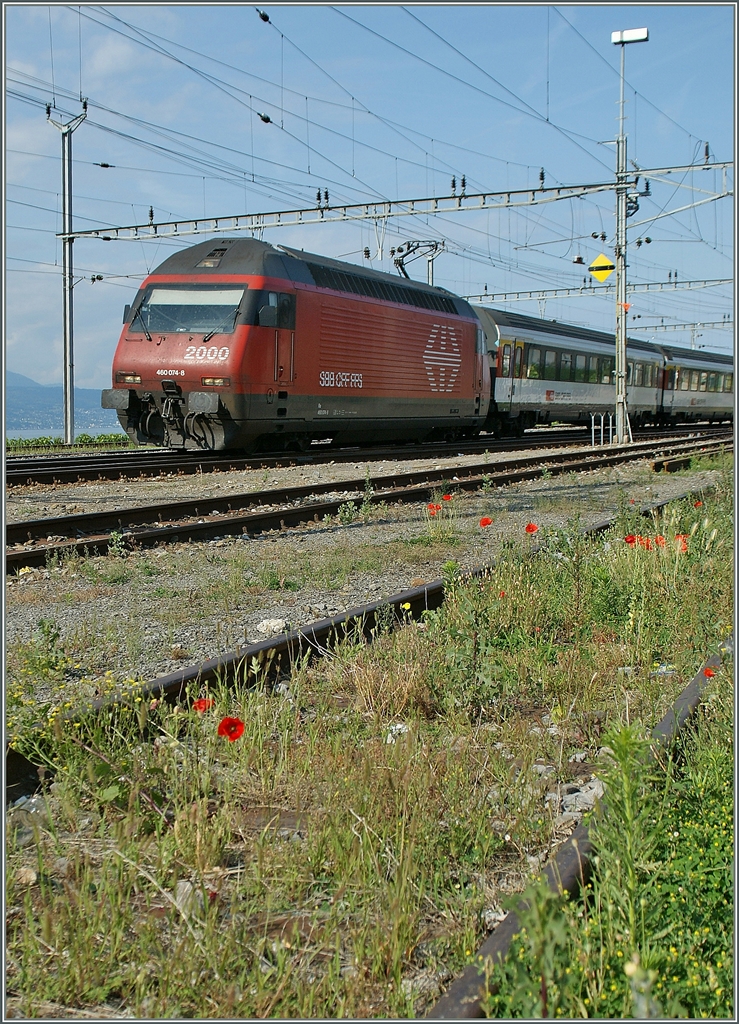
point(517, 377)
point(505, 369)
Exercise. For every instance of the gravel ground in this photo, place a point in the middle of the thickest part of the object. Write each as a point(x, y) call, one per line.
point(158, 609)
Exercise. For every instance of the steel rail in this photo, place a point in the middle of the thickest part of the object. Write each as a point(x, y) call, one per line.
point(406, 488)
point(89, 522)
point(37, 469)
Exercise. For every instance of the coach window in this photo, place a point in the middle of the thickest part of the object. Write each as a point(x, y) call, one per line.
point(670, 378)
point(607, 366)
point(580, 372)
point(703, 381)
point(550, 365)
point(712, 382)
point(684, 379)
point(534, 363)
point(638, 375)
point(518, 361)
point(565, 366)
point(729, 382)
point(593, 377)
point(694, 378)
point(506, 363)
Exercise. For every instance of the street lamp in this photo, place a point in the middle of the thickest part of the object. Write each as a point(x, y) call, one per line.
point(623, 430)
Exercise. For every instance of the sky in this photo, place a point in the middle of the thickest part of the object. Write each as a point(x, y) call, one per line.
point(367, 102)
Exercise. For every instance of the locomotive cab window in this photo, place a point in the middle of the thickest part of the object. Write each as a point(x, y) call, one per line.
point(192, 309)
point(276, 309)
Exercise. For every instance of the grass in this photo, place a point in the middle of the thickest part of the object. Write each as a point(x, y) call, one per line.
point(341, 852)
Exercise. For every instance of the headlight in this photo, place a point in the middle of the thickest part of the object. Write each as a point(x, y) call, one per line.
point(128, 378)
point(215, 382)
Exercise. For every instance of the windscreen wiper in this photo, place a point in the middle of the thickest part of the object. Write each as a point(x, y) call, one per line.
point(232, 313)
point(139, 314)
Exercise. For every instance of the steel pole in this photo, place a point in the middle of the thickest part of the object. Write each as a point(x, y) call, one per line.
point(68, 284)
point(621, 312)
point(67, 268)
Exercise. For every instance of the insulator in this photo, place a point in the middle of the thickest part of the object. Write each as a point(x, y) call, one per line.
point(464, 183)
point(541, 177)
point(454, 184)
point(263, 15)
point(48, 110)
point(151, 214)
point(648, 240)
point(594, 234)
point(266, 118)
point(318, 197)
point(325, 195)
point(602, 236)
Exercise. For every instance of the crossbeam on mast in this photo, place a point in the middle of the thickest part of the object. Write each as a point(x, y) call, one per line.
point(604, 289)
point(682, 327)
point(501, 200)
point(338, 214)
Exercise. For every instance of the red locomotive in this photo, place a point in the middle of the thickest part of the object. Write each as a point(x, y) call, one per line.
point(236, 343)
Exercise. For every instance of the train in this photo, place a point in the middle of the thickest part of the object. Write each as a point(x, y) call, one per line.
point(237, 343)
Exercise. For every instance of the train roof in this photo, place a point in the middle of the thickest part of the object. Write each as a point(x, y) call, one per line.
point(672, 353)
point(249, 256)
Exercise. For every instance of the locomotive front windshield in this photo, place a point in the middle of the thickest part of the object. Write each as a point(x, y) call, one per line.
point(188, 310)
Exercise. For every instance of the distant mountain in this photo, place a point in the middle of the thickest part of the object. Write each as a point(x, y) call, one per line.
point(19, 380)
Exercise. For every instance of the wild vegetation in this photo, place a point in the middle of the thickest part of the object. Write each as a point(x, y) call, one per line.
point(338, 845)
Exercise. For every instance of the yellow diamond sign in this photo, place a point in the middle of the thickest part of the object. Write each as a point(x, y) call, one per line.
point(601, 267)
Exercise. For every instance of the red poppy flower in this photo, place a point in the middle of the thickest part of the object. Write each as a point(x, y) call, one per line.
point(697, 504)
point(683, 545)
point(630, 539)
point(631, 501)
point(708, 672)
point(202, 704)
point(432, 510)
point(437, 508)
point(232, 728)
point(431, 507)
point(486, 521)
point(502, 593)
point(532, 528)
point(659, 540)
point(446, 497)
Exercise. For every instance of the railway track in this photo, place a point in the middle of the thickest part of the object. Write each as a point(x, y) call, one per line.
point(36, 542)
point(127, 464)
